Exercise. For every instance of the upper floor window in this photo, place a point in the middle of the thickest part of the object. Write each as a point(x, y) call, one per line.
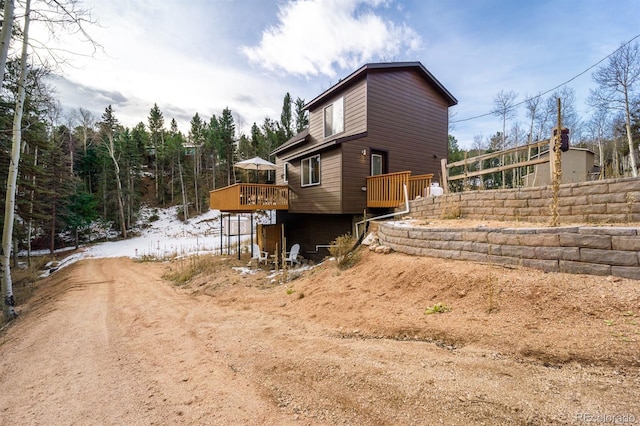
point(334, 118)
point(285, 174)
point(310, 171)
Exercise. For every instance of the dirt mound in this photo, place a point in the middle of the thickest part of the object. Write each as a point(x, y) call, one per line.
point(109, 341)
point(551, 317)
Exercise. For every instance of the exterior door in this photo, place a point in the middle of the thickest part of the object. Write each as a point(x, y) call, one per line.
point(378, 163)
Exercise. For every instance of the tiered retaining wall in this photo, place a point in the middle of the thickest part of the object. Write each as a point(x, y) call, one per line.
point(595, 250)
point(597, 202)
point(573, 249)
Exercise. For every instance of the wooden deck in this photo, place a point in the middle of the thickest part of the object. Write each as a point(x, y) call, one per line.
point(383, 191)
point(247, 197)
point(387, 191)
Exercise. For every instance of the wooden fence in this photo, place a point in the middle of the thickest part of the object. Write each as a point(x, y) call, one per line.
point(475, 168)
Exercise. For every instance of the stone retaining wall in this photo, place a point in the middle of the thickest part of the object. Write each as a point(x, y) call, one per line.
point(571, 249)
point(597, 202)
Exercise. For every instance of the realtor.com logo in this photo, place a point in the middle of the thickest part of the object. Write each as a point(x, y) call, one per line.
point(611, 419)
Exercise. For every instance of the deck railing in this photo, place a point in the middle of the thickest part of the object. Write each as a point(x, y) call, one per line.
point(420, 186)
point(244, 197)
point(386, 190)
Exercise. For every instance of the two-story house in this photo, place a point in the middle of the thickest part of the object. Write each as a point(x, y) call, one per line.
point(383, 119)
point(382, 127)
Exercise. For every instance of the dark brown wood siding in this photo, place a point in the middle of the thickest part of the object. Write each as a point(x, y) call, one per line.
point(356, 168)
point(323, 198)
point(409, 119)
point(355, 115)
point(401, 114)
point(326, 197)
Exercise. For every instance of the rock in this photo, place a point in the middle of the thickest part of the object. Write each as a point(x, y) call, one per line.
point(383, 249)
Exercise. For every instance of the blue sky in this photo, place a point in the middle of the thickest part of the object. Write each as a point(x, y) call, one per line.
point(205, 55)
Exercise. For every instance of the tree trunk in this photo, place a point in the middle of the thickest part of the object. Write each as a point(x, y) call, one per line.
point(195, 180)
point(128, 196)
point(616, 159)
point(632, 151)
point(104, 191)
point(31, 200)
point(52, 232)
point(172, 182)
point(112, 154)
point(601, 155)
point(12, 178)
point(185, 202)
point(5, 35)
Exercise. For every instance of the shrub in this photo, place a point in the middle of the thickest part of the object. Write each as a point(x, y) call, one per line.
point(195, 265)
point(342, 248)
point(438, 308)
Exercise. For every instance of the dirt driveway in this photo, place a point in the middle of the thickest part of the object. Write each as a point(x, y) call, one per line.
point(108, 341)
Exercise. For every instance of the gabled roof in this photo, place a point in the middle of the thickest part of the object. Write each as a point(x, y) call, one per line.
point(294, 141)
point(362, 71)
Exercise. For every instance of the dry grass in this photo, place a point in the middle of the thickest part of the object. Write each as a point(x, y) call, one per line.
point(188, 268)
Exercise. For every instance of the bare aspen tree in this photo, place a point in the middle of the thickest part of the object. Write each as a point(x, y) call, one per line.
point(504, 108)
point(598, 125)
point(617, 80)
point(5, 34)
point(12, 178)
point(108, 126)
point(55, 15)
point(86, 124)
point(533, 106)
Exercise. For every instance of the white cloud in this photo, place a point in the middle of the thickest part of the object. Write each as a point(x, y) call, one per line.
point(314, 37)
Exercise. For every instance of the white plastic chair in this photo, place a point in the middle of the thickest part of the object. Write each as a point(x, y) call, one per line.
point(293, 254)
point(260, 256)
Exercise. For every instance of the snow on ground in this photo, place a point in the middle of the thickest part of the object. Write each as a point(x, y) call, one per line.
point(165, 237)
point(168, 237)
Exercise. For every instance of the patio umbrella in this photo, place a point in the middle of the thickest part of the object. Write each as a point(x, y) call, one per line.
point(255, 163)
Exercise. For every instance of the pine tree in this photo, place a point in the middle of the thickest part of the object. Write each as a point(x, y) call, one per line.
point(156, 130)
point(286, 117)
point(109, 128)
point(56, 185)
point(302, 116)
point(228, 142)
point(197, 135)
point(175, 151)
point(212, 147)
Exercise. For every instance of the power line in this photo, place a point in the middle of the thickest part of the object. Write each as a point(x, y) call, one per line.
point(551, 90)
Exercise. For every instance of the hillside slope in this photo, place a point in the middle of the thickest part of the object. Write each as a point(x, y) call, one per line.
point(109, 341)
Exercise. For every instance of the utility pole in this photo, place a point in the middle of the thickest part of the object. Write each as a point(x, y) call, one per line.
point(555, 162)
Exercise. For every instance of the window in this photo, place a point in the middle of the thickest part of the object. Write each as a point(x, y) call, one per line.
point(376, 164)
point(285, 174)
point(334, 118)
point(311, 171)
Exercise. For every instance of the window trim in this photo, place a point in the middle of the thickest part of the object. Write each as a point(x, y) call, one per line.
point(302, 172)
point(340, 101)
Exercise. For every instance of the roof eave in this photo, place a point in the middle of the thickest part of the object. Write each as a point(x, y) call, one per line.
point(360, 72)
